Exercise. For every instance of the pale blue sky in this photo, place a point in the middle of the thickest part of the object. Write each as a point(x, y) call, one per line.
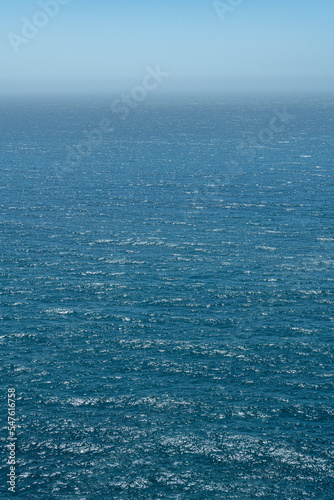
point(104, 45)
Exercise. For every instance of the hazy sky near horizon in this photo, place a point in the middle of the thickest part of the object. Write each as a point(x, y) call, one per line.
point(103, 45)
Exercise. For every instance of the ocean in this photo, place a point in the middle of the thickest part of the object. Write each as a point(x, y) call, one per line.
point(167, 297)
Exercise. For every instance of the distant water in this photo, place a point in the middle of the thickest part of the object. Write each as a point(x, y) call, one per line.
point(167, 304)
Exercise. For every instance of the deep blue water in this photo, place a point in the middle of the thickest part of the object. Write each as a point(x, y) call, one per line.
point(167, 303)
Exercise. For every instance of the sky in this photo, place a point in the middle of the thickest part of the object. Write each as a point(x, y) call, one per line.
point(101, 46)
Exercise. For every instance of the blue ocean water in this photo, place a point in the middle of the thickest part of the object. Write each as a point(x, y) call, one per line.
point(167, 301)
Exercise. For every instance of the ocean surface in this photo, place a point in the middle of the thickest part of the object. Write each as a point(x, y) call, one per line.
point(167, 297)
